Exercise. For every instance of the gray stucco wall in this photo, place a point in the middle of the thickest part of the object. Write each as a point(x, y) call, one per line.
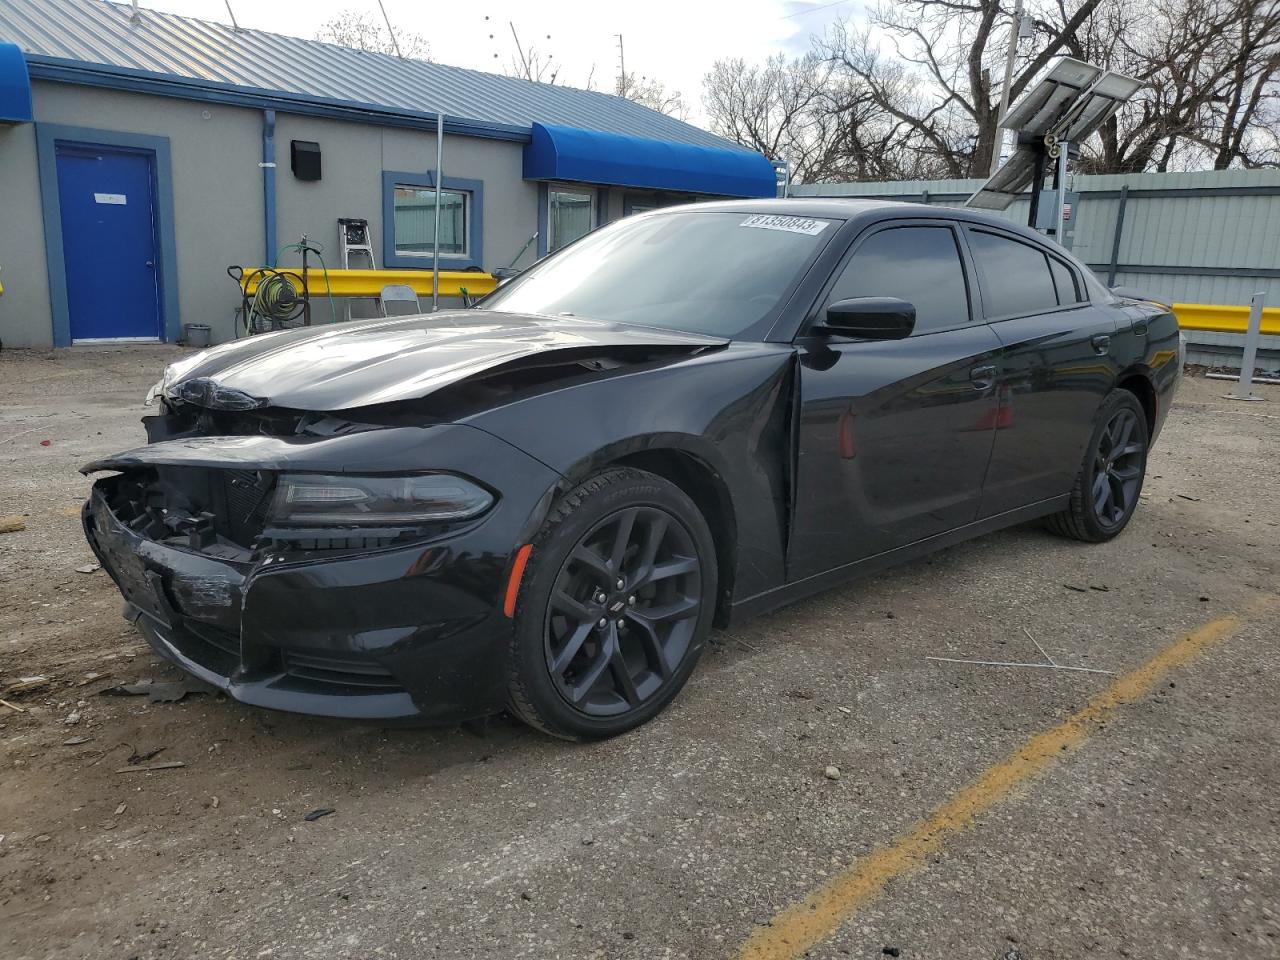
point(217, 189)
point(218, 195)
point(25, 319)
point(353, 159)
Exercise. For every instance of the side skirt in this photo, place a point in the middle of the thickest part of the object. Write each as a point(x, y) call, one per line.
point(790, 592)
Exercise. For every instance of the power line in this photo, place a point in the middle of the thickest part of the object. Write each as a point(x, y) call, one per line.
point(801, 13)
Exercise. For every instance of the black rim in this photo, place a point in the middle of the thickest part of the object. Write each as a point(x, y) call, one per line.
point(1117, 468)
point(623, 611)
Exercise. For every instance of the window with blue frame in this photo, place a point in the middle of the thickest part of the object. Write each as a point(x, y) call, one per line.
point(414, 214)
point(570, 214)
point(409, 220)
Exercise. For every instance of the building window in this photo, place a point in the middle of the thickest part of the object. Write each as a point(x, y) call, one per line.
point(409, 217)
point(570, 215)
point(415, 218)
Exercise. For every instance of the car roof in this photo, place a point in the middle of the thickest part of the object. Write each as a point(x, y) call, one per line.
point(862, 209)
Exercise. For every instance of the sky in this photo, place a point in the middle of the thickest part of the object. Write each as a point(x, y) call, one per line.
point(675, 41)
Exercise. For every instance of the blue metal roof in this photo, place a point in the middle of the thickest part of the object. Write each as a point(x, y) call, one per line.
point(105, 44)
point(590, 156)
point(15, 86)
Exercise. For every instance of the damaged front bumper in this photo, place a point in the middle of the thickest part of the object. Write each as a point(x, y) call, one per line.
point(407, 630)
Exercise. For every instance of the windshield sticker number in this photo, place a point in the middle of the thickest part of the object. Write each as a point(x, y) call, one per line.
point(806, 225)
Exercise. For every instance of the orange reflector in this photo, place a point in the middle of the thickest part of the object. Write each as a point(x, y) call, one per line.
point(844, 429)
point(513, 585)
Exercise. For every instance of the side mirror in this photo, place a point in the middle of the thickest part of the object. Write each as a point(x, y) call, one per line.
point(503, 274)
point(870, 318)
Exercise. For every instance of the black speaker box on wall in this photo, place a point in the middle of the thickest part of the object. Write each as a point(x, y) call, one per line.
point(304, 158)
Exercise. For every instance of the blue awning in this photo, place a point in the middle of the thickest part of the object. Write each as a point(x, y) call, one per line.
point(15, 86)
point(615, 159)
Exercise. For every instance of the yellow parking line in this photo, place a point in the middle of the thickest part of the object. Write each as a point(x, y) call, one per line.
point(817, 916)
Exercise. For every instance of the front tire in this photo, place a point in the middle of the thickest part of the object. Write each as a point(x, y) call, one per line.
point(614, 607)
point(1109, 483)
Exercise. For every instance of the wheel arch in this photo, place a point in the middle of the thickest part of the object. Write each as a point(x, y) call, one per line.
point(706, 488)
point(694, 472)
point(1137, 381)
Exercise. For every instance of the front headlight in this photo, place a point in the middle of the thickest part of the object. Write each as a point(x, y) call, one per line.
point(172, 373)
point(310, 500)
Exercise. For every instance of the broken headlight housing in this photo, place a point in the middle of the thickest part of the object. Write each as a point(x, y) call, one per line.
point(171, 374)
point(320, 500)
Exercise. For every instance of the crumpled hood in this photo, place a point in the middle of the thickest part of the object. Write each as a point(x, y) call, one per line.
point(366, 362)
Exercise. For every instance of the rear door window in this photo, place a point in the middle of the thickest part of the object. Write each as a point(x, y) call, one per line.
point(1064, 281)
point(919, 264)
point(1016, 279)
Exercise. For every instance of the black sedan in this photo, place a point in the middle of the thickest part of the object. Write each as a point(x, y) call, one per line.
point(545, 502)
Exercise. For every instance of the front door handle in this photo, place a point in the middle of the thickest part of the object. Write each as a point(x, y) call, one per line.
point(1101, 344)
point(982, 377)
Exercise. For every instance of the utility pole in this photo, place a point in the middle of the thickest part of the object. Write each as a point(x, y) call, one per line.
point(391, 30)
point(520, 50)
point(1015, 29)
point(622, 68)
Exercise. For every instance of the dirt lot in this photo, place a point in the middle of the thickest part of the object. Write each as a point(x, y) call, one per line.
point(1159, 836)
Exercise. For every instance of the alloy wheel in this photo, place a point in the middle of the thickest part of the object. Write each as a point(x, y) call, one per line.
point(623, 611)
point(1117, 465)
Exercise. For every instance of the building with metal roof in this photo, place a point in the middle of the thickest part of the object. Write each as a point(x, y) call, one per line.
point(142, 152)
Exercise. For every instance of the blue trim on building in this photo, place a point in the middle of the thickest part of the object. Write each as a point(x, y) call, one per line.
point(169, 85)
point(48, 135)
point(614, 159)
point(475, 229)
point(15, 86)
point(544, 214)
point(269, 186)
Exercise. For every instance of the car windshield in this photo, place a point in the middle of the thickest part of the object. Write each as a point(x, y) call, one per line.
point(709, 272)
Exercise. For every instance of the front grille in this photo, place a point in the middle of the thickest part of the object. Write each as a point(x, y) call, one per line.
point(339, 670)
point(247, 495)
point(220, 651)
point(217, 511)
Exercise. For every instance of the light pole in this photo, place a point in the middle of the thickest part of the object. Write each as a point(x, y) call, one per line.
point(1011, 54)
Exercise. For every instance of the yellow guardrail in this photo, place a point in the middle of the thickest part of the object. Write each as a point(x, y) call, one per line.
point(1224, 319)
point(369, 283)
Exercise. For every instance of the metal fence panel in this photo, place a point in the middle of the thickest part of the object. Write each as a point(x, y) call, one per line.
point(1200, 237)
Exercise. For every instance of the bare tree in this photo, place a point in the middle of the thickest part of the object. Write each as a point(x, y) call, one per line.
point(1210, 71)
point(361, 31)
point(531, 63)
point(826, 123)
point(912, 90)
point(941, 83)
point(653, 94)
point(773, 108)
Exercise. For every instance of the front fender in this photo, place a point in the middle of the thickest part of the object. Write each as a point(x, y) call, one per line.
point(728, 410)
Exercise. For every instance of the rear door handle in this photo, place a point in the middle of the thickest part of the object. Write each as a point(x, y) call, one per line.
point(1101, 344)
point(982, 377)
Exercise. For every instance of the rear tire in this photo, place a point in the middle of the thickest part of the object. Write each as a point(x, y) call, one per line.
point(614, 607)
point(1109, 483)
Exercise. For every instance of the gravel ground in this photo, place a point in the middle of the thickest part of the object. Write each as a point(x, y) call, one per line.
point(1157, 838)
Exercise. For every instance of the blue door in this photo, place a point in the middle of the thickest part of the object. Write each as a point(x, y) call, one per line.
point(109, 242)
